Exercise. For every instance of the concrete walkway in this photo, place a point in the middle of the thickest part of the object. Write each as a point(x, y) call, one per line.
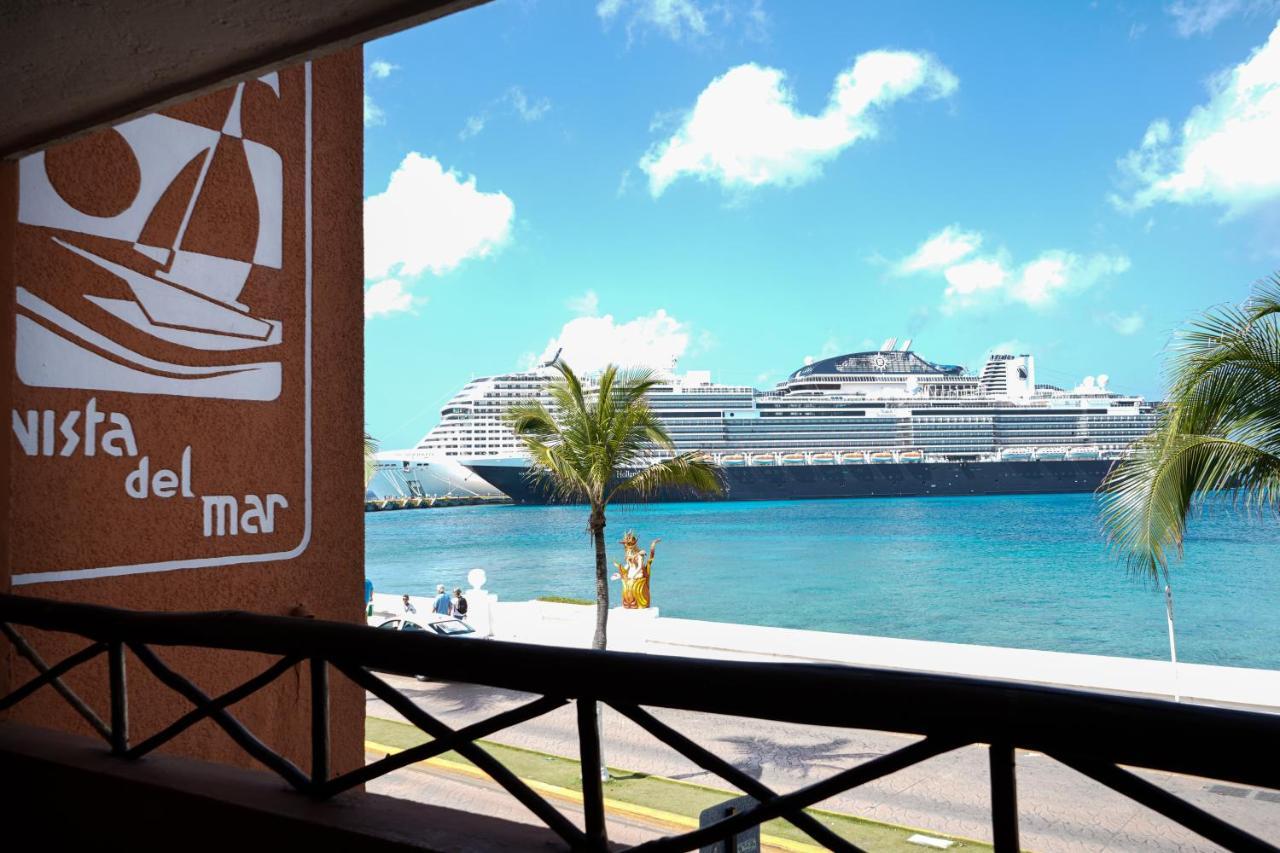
point(647, 631)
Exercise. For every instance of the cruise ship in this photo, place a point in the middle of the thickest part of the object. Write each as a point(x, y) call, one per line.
point(415, 473)
point(877, 423)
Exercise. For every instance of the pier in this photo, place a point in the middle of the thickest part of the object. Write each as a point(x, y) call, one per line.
point(432, 502)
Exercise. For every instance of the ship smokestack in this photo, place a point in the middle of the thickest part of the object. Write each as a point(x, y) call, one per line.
point(888, 345)
point(906, 346)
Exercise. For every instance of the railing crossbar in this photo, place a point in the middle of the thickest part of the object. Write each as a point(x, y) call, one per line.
point(319, 725)
point(53, 674)
point(1159, 800)
point(421, 752)
point(591, 766)
point(710, 761)
point(285, 768)
point(1002, 761)
point(226, 700)
point(845, 780)
point(405, 706)
point(47, 675)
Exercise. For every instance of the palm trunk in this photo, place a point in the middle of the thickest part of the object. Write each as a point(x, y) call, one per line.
point(596, 525)
point(1173, 645)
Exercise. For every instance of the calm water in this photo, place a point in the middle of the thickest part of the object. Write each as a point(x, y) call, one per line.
point(1030, 572)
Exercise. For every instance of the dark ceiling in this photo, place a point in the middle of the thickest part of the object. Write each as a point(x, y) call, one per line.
point(69, 66)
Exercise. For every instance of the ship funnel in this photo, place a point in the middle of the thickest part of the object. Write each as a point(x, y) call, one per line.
point(888, 344)
point(906, 346)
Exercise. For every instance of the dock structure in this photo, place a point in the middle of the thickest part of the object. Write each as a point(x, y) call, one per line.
point(433, 502)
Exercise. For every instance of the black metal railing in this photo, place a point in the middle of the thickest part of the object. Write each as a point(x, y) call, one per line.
point(1097, 735)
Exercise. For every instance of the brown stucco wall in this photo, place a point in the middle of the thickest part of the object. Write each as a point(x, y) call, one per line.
point(68, 514)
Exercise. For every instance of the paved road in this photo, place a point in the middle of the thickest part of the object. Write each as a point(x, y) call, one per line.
point(439, 788)
point(1060, 809)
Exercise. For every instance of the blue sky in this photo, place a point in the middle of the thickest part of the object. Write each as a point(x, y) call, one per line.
point(747, 184)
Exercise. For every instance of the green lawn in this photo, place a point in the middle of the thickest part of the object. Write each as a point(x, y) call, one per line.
point(564, 599)
point(655, 792)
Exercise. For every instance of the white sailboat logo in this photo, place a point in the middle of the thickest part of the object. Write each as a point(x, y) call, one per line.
point(179, 295)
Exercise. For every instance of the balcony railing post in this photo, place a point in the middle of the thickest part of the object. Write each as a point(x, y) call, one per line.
point(119, 698)
point(319, 724)
point(592, 781)
point(1004, 798)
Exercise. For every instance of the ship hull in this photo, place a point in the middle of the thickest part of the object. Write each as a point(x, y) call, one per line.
point(806, 482)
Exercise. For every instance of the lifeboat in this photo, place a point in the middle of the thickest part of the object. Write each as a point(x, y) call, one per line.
point(853, 457)
point(764, 459)
point(1084, 453)
point(822, 458)
point(882, 456)
point(1016, 454)
point(733, 460)
point(911, 456)
point(793, 459)
point(1051, 454)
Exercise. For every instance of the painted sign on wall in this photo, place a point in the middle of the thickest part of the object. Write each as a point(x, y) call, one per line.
point(162, 388)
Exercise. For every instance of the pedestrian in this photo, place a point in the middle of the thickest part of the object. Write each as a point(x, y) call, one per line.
point(368, 597)
point(443, 606)
point(408, 605)
point(459, 604)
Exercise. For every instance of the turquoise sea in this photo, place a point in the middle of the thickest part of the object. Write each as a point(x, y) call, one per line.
point(1025, 571)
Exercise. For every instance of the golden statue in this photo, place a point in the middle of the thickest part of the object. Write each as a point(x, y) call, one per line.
point(633, 571)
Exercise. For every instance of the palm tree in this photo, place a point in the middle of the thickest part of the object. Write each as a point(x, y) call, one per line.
point(593, 446)
point(1220, 432)
point(370, 460)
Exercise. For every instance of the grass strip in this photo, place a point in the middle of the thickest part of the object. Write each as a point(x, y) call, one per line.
point(564, 599)
point(666, 800)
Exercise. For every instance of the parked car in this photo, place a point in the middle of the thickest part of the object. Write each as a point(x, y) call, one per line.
point(446, 627)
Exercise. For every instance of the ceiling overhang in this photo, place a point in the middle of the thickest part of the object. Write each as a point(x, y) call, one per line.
point(71, 67)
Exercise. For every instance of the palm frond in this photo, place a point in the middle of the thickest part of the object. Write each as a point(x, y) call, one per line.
point(370, 458)
point(693, 470)
point(1220, 433)
point(583, 444)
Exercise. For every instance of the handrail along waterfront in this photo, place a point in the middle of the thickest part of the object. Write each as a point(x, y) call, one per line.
point(1093, 733)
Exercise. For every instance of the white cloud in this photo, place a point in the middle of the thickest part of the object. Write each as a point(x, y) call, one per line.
point(744, 130)
point(941, 250)
point(1201, 17)
point(381, 69)
point(372, 112)
point(529, 109)
point(974, 279)
point(514, 100)
point(587, 305)
point(590, 343)
point(1092, 385)
point(1124, 324)
point(432, 220)
point(1224, 153)
point(677, 19)
point(967, 279)
point(474, 125)
point(388, 296)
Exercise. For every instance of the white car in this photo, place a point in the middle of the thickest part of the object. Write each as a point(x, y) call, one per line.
point(447, 627)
